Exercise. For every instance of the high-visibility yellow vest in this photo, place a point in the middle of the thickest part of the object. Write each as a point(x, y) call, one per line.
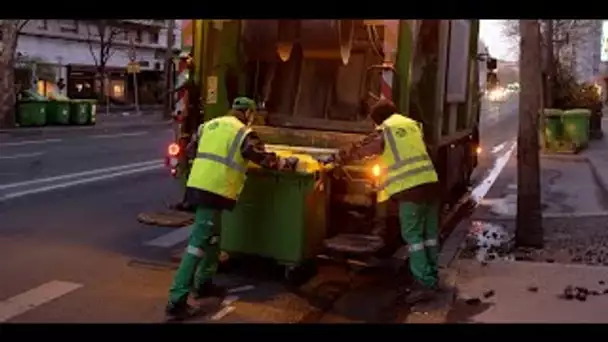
point(405, 161)
point(219, 166)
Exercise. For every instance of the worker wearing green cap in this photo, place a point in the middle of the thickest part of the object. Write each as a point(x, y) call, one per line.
point(224, 146)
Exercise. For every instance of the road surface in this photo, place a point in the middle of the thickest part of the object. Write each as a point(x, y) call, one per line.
point(71, 249)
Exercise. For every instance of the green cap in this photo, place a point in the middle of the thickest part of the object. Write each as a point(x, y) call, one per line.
point(243, 103)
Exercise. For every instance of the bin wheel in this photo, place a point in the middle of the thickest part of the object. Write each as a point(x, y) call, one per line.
point(297, 275)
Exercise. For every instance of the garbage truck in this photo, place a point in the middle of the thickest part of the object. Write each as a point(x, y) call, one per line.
point(314, 81)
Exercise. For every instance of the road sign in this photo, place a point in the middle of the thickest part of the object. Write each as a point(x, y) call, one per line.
point(133, 68)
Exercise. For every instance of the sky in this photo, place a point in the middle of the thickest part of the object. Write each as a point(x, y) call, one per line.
point(490, 32)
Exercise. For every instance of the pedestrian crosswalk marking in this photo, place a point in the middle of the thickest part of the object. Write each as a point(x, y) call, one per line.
point(171, 239)
point(35, 297)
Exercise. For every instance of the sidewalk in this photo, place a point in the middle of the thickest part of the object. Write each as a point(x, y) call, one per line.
point(115, 122)
point(529, 292)
point(496, 284)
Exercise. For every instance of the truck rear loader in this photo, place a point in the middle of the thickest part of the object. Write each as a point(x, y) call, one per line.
point(314, 81)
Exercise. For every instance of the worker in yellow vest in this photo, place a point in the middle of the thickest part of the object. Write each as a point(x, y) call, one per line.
point(408, 177)
point(225, 146)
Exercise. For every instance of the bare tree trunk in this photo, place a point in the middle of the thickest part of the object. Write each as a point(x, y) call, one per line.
point(10, 34)
point(167, 68)
point(529, 231)
point(549, 67)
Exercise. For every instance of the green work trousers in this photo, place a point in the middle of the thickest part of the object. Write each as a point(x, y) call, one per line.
point(200, 260)
point(419, 228)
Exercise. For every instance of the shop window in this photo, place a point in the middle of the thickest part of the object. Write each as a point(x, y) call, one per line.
point(154, 37)
point(117, 89)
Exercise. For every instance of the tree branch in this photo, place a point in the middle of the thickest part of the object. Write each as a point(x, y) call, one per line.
point(21, 24)
point(90, 42)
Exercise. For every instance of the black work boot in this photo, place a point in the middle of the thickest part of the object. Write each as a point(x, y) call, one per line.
point(180, 311)
point(419, 293)
point(209, 289)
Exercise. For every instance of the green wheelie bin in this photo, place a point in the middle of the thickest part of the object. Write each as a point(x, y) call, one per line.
point(31, 112)
point(279, 216)
point(82, 112)
point(553, 130)
point(576, 127)
point(58, 112)
point(31, 109)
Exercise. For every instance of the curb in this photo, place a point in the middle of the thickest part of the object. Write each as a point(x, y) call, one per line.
point(595, 170)
point(77, 130)
point(565, 157)
point(544, 216)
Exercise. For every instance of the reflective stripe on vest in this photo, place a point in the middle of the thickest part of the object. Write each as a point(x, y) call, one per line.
point(405, 167)
point(228, 160)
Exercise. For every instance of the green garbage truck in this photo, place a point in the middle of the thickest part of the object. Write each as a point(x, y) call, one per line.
point(314, 80)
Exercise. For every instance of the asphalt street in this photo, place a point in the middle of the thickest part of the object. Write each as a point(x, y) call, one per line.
point(71, 249)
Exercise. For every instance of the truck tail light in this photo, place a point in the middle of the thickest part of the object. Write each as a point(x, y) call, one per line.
point(173, 149)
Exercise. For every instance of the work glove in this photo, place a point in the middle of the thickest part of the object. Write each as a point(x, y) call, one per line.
point(288, 164)
point(327, 159)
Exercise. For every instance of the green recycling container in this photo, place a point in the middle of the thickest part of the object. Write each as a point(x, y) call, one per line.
point(279, 215)
point(82, 112)
point(553, 132)
point(576, 127)
point(31, 113)
point(58, 112)
point(92, 106)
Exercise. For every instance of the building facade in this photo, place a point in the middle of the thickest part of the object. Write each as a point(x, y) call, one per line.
point(71, 50)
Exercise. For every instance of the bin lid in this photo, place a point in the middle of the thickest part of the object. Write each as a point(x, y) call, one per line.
point(92, 101)
point(552, 112)
point(31, 96)
point(54, 96)
point(578, 112)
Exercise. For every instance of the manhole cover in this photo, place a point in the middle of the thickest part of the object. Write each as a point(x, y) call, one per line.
point(171, 218)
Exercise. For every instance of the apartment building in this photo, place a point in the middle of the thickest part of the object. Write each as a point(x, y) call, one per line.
point(71, 50)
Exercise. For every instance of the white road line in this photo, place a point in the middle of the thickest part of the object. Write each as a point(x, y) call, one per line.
point(35, 297)
point(171, 239)
point(79, 182)
point(80, 174)
point(22, 155)
point(241, 289)
point(482, 189)
point(110, 136)
point(499, 147)
point(223, 313)
point(30, 142)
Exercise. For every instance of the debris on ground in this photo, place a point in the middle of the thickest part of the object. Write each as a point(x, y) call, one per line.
point(569, 293)
point(581, 293)
point(533, 289)
point(488, 294)
point(489, 241)
point(566, 241)
point(473, 301)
